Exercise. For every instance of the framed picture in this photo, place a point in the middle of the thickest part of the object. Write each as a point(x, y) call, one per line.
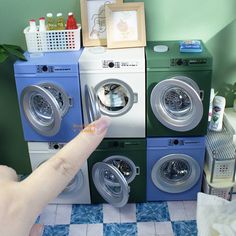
point(125, 25)
point(93, 21)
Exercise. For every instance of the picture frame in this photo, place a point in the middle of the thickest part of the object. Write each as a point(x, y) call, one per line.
point(125, 25)
point(93, 21)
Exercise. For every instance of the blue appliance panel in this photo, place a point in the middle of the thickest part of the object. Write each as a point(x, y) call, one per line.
point(157, 148)
point(59, 69)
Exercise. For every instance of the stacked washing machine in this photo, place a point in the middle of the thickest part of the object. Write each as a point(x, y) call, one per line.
point(178, 93)
point(48, 87)
point(113, 84)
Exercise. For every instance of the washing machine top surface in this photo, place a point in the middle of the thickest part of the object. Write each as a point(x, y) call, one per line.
point(112, 60)
point(172, 59)
point(53, 62)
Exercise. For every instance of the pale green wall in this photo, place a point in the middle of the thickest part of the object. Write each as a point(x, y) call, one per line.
point(213, 21)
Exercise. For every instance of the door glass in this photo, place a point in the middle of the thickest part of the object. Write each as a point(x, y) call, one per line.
point(175, 170)
point(177, 102)
point(113, 97)
point(111, 183)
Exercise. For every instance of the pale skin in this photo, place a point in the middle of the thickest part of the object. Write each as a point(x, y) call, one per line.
point(22, 202)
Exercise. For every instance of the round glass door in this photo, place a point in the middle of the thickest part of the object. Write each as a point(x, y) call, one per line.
point(175, 173)
point(176, 103)
point(111, 184)
point(115, 97)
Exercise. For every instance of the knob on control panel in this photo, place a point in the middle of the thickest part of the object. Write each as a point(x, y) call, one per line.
point(111, 64)
point(179, 62)
point(44, 68)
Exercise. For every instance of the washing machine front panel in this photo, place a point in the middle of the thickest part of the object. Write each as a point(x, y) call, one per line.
point(127, 159)
point(49, 97)
point(174, 168)
point(77, 191)
point(120, 96)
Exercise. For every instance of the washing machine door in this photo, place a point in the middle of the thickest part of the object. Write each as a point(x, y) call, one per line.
point(111, 184)
point(177, 103)
point(91, 103)
point(41, 109)
point(175, 173)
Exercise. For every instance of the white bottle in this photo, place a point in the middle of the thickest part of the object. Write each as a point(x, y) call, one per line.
point(32, 26)
point(217, 113)
point(42, 25)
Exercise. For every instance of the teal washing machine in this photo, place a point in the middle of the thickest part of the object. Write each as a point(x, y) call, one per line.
point(178, 90)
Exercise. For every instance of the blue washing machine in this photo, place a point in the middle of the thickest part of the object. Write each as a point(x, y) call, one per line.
point(48, 88)
point(174, 168)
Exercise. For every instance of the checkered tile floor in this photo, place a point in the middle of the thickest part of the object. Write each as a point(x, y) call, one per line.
point(144, 219)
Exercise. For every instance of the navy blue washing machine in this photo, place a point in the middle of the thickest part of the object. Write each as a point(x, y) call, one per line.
point(174, 168)
point(48, 88)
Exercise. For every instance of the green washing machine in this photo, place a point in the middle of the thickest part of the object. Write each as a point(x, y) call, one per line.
point(178, 90)
point(117, 172)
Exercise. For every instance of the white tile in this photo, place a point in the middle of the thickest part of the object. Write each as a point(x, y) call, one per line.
point(78, 230)
point(110, 214)
point(146, 229)
point(164, 228)
point(95, 229)
point(128, 213)
point(48, 215)
point(176, 210)
point(63, 214)
point(190, 208)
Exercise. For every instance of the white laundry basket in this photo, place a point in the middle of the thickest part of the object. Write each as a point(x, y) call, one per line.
point(53, 40)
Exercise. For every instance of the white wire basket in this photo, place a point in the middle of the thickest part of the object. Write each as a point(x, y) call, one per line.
point(53, 40)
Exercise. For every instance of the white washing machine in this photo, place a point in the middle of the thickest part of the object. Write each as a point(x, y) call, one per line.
point(113, 84)
point(77, 191)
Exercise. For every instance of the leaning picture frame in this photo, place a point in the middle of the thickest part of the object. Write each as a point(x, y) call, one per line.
point(93, 21)
point(125, 25)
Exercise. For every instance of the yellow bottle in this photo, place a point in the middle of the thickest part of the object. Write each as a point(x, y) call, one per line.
point(50, 22)
point(60, 22)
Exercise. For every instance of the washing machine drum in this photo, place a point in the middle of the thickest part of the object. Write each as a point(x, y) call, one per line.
point(175, 173)
point(177, 104)
point(44, 105)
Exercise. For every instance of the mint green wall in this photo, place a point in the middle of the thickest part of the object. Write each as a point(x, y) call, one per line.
point(212, 21)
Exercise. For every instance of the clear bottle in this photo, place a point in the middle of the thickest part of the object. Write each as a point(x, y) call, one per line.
point(50, 22)
point(60, 23)
point(42, 25)
point(71, 22)
point(32, 26)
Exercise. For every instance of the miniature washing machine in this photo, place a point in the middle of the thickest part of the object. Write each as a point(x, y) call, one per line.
point(113, 84)
point(178, 91)
point(48, 88)
point(77, 191)
point(174, 168)
point(117, 172)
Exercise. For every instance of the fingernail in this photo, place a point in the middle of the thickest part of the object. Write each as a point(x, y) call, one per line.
point(102, 124)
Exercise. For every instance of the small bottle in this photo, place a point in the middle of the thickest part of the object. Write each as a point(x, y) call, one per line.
point(32, 25)
point(60, 22)
point(217, 113)
point(50, 22)
point(71, 22)
point(42, 25)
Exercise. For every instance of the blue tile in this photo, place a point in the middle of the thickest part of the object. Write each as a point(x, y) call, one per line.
point(125, 229)
point(87, 214)
point(57, 230)
point(152, 211)
point(186, 228)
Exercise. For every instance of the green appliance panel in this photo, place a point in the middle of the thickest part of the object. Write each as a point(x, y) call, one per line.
point(163, 66)
point(133, 149)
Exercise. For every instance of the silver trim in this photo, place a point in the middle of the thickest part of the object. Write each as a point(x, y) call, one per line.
point(175, 186)
point(115, 199)
point(46, 129)
point(133, 97)
point(188, 122)
point(92, 107)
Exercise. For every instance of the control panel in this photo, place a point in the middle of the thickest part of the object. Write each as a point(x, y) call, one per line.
point(188, 61)
point(119, 64)
point(51, 69)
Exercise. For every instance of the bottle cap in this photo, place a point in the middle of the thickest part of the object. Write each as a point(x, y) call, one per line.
point(70, 13)
point(59, 14)
point(41, 18)
point(49, 15)
point(32, 20)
